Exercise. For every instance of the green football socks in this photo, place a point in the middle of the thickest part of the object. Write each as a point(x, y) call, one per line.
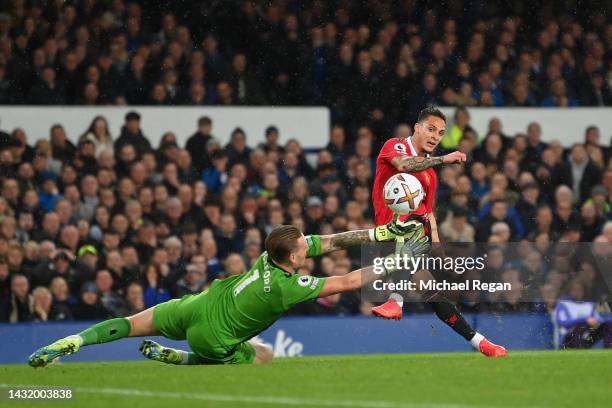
point(108, 330)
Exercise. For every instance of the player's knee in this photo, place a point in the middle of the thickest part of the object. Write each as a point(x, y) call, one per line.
point(133, 328)
point(264, 354)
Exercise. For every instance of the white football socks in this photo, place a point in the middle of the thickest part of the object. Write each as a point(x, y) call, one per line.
point(398, 298)
point(476, 340)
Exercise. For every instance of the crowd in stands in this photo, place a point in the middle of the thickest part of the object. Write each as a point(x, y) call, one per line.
point(111, 225)
point(373, 61)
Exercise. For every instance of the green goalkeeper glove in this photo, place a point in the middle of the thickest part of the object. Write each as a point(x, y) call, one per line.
point(403, 228)
point(415, 244)
point(380, 234)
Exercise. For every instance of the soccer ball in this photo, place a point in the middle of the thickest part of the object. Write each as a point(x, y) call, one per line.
point(403, 193)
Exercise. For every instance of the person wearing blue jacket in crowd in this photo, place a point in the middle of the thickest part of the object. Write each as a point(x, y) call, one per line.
point(579, 324)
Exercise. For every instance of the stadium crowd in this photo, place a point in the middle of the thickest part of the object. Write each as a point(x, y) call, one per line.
point(111, 225)
point(373, 61)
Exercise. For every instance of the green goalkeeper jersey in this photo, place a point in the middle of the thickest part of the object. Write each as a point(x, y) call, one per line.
point(242, 306)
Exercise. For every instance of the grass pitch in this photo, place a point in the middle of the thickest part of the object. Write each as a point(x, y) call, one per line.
point(451, 380)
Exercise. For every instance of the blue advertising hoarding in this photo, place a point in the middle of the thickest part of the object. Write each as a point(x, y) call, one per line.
point(300, 336)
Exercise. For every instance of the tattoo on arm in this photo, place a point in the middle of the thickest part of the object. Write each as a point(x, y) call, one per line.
point(416, 163)
point(345, 240)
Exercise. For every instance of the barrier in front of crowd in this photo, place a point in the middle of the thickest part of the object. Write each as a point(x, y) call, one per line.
point(299, 336)
point(309, 125)
point(567, 125)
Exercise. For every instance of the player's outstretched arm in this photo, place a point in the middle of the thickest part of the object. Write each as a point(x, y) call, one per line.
point(419, 163)
point(344, 240)
point(418, 244)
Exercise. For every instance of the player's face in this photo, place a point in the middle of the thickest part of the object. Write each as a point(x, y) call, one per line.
point(298, 256)
point(429, 132)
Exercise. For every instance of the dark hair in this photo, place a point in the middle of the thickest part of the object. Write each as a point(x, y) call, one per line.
point(132, 115)
point(189, 228)
point(237, 131)
point(204, 120)
point(92, 126)
point(430, 111)
point(145, 270)
point(271, 129)
point(460, 109)
point(281, 241)
point(56, 126)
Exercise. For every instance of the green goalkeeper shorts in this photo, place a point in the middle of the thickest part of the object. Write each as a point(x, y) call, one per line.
point(183, 319)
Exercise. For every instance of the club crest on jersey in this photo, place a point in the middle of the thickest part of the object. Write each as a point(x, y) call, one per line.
point(400, 147)
point(304, 281)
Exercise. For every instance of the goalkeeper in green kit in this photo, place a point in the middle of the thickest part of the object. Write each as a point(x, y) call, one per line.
point(220, 322)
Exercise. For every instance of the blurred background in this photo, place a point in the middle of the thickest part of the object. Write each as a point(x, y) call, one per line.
point(147, 148)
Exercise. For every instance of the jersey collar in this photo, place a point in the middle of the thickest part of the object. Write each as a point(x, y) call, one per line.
point(412, 149)
point(411, 146)
point(271, 262)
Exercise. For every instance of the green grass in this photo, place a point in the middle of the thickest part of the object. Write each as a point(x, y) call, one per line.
point(451, 380)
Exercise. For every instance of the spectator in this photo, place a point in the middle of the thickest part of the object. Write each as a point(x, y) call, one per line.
point(197, 144)
point(237, 149)
point(272, 141)
point(134, 298)
point(90, 306)
point(109, 298)
point(216, 175)
point(62, 148)
point(131, 134)
point(597, 93)
point(21, 303)
point(234, 265)
point(456, 228)
point(154, 292)
point(59, 264)
point(580, 325)
point(62, 299)
point(42, 304)
point(579, 173)
point(558, 95)
point(461, 124)
point(48, 90)
point(99, 134)
point(193, 282)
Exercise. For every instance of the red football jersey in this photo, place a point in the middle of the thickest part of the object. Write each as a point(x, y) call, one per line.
point(384, 170)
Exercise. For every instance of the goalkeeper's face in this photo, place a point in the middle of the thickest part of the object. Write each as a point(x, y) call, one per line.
point(297, 257)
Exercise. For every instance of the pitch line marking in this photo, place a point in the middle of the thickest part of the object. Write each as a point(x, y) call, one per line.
point(250, 398)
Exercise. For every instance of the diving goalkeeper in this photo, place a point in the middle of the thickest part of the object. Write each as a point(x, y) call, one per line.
point(220, 322)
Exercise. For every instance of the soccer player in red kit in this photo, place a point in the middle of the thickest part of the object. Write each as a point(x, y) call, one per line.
point(412, 155)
